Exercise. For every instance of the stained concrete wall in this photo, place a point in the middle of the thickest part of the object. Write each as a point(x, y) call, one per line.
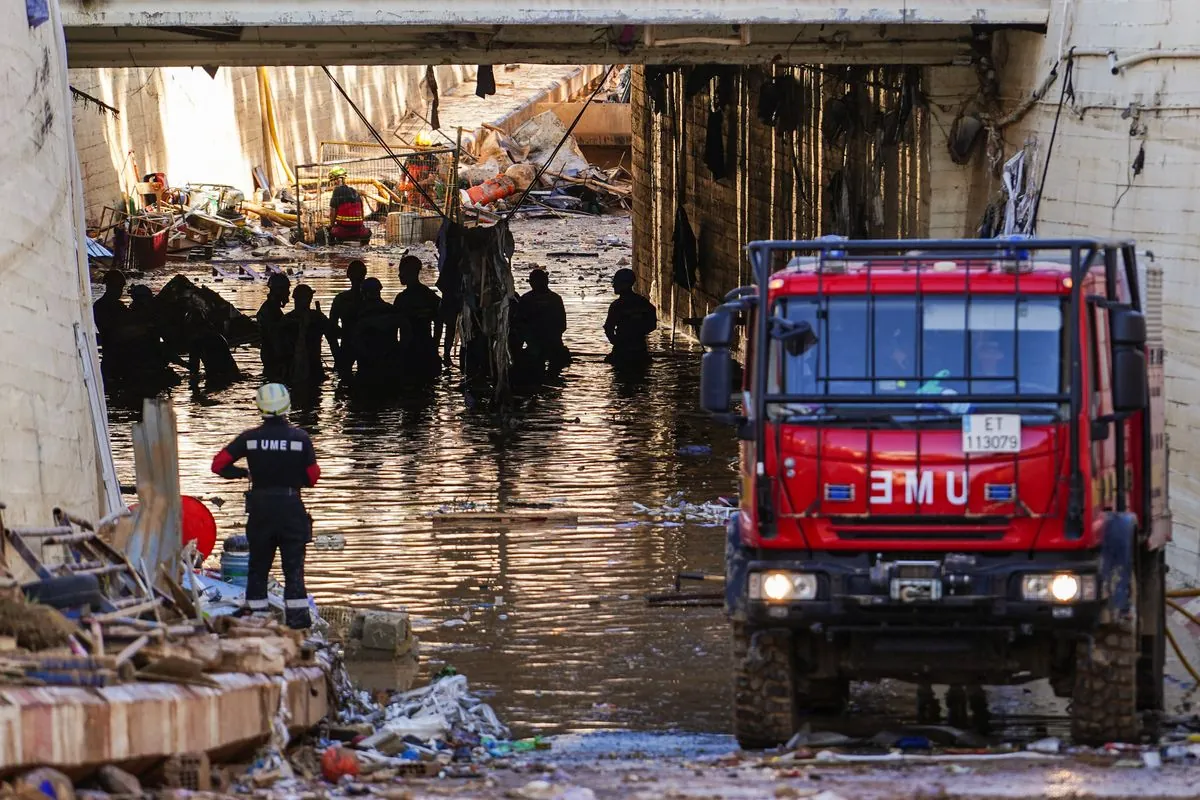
point(48, 451)
point(1092, 186)
point(203, 129)
point(778, 184)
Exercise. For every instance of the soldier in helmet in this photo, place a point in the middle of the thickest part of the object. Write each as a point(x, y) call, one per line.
point(631, 318)
point(281, 462)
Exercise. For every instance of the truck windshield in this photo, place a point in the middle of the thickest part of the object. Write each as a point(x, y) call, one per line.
point(941, 345)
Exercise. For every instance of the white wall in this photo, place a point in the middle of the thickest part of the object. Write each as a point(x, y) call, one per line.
point(1091, 189)
point(48, 451)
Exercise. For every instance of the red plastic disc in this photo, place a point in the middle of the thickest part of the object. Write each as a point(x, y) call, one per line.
point(198, 524)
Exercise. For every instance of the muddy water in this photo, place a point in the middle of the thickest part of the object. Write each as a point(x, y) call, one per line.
point(549, 617)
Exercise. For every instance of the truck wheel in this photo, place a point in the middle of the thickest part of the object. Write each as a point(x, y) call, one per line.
point(764, 696)
point(1104, 705)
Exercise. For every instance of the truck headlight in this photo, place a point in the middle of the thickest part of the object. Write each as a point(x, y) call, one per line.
point(1061, 587)
point(780, 587)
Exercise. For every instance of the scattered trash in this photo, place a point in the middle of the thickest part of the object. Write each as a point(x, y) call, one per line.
point(1050, 745)
point(677, 510)
point(694, 450)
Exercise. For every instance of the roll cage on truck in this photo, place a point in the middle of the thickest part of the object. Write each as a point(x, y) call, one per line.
point(953, 469)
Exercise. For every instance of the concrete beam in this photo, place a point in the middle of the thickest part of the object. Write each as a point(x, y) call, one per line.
point(89, 47)
point(326, 13)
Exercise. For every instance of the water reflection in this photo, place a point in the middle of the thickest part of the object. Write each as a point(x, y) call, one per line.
point(556, 626)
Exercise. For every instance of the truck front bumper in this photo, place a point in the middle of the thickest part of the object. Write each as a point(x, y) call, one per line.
point(896, 592)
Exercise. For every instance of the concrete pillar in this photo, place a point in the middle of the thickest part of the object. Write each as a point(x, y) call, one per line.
point(49, 454)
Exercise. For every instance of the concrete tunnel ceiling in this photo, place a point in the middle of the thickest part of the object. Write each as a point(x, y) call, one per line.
point(129, 33)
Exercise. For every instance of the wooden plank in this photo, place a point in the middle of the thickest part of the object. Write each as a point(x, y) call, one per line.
point(471, 517)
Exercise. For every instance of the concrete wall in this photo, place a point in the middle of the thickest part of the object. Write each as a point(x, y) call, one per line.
point(209, 130)
point(1092, 188)
point(778, 184)
point(48, 451)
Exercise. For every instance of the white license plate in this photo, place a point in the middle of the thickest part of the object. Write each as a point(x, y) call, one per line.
point(991, 433)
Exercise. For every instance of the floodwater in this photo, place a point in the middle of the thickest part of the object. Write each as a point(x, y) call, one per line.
point(547, 618)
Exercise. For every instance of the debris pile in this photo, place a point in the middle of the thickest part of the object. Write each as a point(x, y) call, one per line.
point(377, 741)
point(542, 149)
point(676, 512)
point(83, 615)
point(160, 224)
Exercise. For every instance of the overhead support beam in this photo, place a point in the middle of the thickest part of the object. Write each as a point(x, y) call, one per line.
point(535, 44)
point(340, 13)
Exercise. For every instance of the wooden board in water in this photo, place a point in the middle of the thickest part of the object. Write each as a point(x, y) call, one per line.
point(505, 518)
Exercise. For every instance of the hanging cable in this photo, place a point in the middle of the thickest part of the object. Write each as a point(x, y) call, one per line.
point(1067, 88)
point(374, 133)
point(561, 142)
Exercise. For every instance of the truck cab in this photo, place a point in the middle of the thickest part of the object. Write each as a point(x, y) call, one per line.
point(953, 468)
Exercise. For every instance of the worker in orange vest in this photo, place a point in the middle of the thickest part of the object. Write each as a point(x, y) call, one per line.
point(346, 211)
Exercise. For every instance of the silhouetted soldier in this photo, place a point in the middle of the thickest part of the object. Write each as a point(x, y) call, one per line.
point(281, 462)
point(417, 309)
point(631, 318)
point(208, 346)
point(543, 320)
point(343, 314)
point(303, 328)
point(274, 352)
point(375, 337)
point(110, 312)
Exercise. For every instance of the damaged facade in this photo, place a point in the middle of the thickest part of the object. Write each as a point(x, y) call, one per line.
point(1111, 135)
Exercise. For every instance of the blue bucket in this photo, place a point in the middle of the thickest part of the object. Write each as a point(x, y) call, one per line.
point(235, 568)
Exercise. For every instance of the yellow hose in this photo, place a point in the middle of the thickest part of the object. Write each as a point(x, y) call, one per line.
point(1191, 618)
point(269, 213)
point(264, 83)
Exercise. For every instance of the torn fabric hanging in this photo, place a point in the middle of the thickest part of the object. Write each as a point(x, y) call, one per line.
point(656, 87)
point(768, 102)
point(485, 80)
point(480, 259)
point(714, 144)
point(685, 255)
point(431, 82)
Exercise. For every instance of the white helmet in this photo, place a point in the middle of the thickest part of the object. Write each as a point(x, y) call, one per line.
point(273, 400)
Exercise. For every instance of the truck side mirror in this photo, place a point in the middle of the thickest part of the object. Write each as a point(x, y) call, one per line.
point(716, 380)
point(717, 329)
point(1128, 328)
point(1130, 391)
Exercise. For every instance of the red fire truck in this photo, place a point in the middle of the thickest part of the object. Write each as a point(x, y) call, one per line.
point(953, 471)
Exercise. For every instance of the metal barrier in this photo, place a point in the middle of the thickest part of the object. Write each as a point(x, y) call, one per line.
point(390, 193)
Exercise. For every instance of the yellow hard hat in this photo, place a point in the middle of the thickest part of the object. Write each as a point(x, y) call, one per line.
point(273, 400)
point(337, 172)
point(424, 139)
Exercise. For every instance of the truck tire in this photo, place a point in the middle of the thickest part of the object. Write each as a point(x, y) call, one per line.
point(764, 690)
point(1104, 706)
